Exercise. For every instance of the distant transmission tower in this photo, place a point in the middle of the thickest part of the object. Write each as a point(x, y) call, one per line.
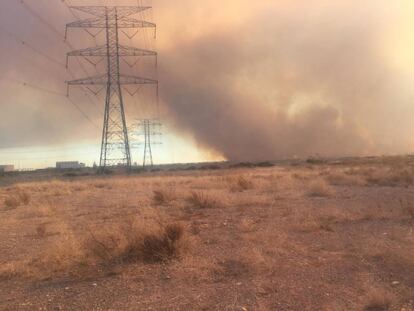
point(115, 148)
point(149, 128)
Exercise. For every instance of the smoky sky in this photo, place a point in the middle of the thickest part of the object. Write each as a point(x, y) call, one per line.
point(286, 78)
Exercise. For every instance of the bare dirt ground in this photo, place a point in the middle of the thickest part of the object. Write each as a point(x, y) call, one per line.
point(303, 237)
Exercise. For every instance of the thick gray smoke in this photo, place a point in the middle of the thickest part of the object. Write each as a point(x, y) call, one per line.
point(303, 79)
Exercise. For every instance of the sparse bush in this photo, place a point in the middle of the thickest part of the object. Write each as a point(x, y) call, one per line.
point(201, 200)
point(265, 164)
point(319, 188)
point(314, 160)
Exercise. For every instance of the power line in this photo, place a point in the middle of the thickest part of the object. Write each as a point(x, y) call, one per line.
point(43, 54)
point(45, 90)
point(47, 150)
point(31, 47)
point(38, 16)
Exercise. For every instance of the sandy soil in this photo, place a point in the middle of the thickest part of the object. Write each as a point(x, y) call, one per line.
point(306, 237)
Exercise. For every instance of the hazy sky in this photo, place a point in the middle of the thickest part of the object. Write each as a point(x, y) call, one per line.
point(239, 79)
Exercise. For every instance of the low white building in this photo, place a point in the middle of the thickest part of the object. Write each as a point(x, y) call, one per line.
point(69, 165)
point(6, 168)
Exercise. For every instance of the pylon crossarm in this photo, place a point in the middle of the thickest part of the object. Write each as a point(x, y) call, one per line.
point(130, 80)
point(95, 51)
point(130, 51)
point(103, 51)
point(100, 22)
point(122, 11)
point(93, 10)
point(88, 23)
point(134, 23)
point(96, 80)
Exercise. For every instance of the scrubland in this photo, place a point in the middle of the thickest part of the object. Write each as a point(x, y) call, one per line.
point(292, 237)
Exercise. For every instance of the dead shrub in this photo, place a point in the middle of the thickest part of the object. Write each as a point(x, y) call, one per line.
point(319, 188)
point(201, 200)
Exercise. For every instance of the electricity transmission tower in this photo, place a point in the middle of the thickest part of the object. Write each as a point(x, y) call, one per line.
point(149, 128)
point(115, 147)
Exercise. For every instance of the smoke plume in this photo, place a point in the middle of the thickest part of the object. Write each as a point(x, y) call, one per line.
point(298, 79)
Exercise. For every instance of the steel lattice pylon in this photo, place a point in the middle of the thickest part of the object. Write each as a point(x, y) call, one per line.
point(149, 129)
point(115, 148)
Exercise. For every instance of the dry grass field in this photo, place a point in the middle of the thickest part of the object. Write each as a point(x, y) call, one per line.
point(292, 237)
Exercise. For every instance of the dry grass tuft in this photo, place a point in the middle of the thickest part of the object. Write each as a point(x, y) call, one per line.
point(16, 199)
point(162, 196)
point(130, 243)
point(342, 179)
point(11, 202)
point(41, 230)
point(408, 208)
point(319, 188)
point(390, 177)
point(24, 197)
point(201, 200)
point(162, 246)
point(97, 251)
point(9, 271)
point(242, 184)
